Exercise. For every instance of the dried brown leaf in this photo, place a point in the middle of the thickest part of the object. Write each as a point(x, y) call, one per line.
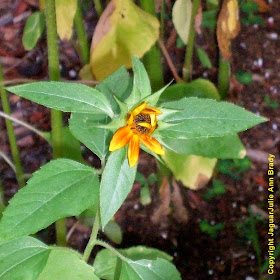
point(228, 26)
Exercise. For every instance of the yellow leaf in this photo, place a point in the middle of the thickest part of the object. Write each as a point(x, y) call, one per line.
point(193, 171)
point(123, 30)
point(65, 13)
point(228, 26)
point(181, 17)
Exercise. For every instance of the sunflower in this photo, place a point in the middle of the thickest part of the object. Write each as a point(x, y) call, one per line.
point(141, 123)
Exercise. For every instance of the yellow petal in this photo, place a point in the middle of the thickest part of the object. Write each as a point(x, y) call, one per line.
point(133, 150)
point(152, 144)
point(153, 119)
point(129, 119)
point(139, 109)
point(120, 138)
point(152, 110)
point(143, 124)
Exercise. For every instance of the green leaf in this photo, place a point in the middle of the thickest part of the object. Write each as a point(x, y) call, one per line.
point(209, 18)
point(198, 118)
point(22, 258)
point(85, 128)
point(116, 183)
point(158, 269)
point(153, 99)
point(203, 58)
point(228, 146)
point(270, 103)
point(234, 168)
point(217, 189)
point(113, 232)
point(198, 88)
point(105, 261)
point(141, 83)
point(71, 146)
point(244, 77)
point(118, 84)
point(123, 30)
point(65, 13)
point(193, 171)
point(33, 30)
point(145, 195)
point(66, 97)
point(181, 17)
point(61, 188)
point(64, 264)
point(212, 230)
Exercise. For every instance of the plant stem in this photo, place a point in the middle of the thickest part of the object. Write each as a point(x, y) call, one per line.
point(93, 237)
point(152, 59)
point(98, 7)
point(11, 133)
point(187, 69)
point(81, 33)
point(107, 246)
point(223, 77)
point(56, 116)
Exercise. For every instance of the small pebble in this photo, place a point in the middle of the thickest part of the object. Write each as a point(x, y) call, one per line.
point(212, 223)
point(249, 278)
point(270, 20)
point(276, 226)
point(210, 272)
point(136, 206)
point(234, 204)
point(164, 235)
point(243, 45)
point(260, 62)
point(218, 258)
point(72, 74)
point(260, 188)
point(256, 26)
point(252, 257)
point(273, 36)
point(266, 75)
point(274, 126)
point(205, 74)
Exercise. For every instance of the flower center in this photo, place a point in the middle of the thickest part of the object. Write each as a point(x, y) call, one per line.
point(142, 123)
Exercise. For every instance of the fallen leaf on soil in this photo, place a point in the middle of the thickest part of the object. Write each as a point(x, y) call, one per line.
point(180, 212)
point(263, 7)
point(163, 211)
point(228, 26)
point(123, 30)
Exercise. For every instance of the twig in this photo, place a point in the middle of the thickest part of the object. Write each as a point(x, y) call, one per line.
point(169, 62)
point(24, 81)
point(259, 156)
point(70, 232)
point(28, 126)
point(6, 158)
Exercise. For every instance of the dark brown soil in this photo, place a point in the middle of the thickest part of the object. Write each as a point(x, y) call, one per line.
point(196, 254)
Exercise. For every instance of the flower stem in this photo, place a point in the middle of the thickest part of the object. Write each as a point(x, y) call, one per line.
point(223, 77)
point(98, 7)
point(56, 116)
point(187, 69)
point(93, 236)
point(81, 33)
point(11, 132)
